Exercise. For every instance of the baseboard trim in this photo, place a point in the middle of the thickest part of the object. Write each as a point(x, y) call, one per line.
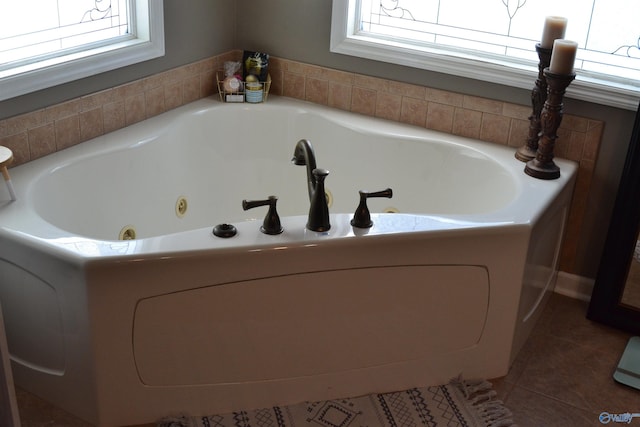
point(574, 286)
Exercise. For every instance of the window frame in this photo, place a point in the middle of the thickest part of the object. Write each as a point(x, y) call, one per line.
point(147, 44)
point(586, 87)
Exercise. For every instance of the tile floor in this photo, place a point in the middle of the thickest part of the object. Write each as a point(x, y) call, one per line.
point(562, 377)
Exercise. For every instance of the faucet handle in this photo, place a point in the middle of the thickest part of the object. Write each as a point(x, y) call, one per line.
point(271, 224)
point(362, 217)
point(320, 173)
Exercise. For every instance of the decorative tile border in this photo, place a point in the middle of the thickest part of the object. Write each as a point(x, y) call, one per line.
point(38, 133)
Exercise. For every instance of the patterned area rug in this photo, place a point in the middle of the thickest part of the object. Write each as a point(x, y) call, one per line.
point(459, 403)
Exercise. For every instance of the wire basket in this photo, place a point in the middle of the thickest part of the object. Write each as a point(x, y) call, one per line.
point(252, 92)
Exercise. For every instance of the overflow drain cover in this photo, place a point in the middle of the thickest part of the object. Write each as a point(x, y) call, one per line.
point(225, 230)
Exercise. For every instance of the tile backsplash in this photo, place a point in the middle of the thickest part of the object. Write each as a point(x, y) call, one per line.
point(38, 133)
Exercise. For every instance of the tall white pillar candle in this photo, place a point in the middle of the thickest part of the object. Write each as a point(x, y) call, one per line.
point(554, 28)
point(563, 56)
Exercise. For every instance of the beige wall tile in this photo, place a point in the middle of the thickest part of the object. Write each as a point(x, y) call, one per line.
point(576, 146)
point(313, 71)
point(154, 81)
point(440, 117)
point(154, 101)
point(67, 132)
point(407, 90)
point(373, 83)
point(561, 151)
point(177, 75)
point(414, 111)
point(576, 214)
point(482, 104)
point(173, 95)
point(295, 67)
point(208, 83)
point(98, 99)
point(113, 116)
point(120, 93)
point(91, 124)
point(516, 111)
point(342, 77)
point(131, 89)
point(63, 110)
point(495, 128)
point(444, 97)
point(191, 89)
point(317, 90)
point(294, 85)
point(388, 106)
point(339, 96)
point(363, 101)
point(518, 133)
point(25, 122)
point(467, 123)
point(592, 140)
point(561, 147)
point(576, 123)
point(42, 141)
point(135, 109)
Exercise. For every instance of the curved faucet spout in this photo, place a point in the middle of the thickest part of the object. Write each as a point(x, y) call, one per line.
point(304, 155)
point(319, 208)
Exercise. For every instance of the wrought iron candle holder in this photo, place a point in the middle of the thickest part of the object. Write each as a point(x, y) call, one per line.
point(543, 166)
point(538, 97)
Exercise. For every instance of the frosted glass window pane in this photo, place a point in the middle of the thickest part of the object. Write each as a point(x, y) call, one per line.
point(31, 29)
point(44, 43)
point(606, 30)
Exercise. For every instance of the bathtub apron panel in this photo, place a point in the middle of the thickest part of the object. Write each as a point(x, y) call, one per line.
point(308, 324)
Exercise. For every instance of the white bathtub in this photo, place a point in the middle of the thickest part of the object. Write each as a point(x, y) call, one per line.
point(179, 320)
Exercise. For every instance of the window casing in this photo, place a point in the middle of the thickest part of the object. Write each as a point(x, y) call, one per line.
point(352, 33)
point(144, 40)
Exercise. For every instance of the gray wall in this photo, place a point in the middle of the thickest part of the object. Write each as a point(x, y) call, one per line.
point(299, 30)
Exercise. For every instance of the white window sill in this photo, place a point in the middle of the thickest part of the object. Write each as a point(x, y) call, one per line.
point(149, 44)
point(585, 87)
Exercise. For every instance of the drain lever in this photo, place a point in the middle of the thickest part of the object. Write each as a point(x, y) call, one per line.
point(362, 217)
point(271, 224)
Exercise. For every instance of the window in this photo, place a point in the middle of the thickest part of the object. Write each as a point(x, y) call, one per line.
point(44, 43)
point(494, 40)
